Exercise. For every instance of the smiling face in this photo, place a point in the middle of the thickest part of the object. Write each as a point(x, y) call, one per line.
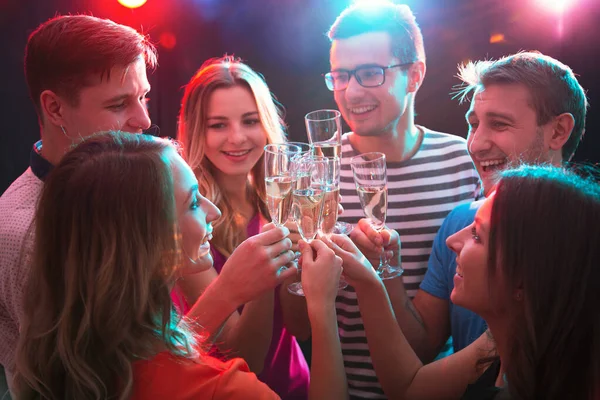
point(235, 137)
point(503, 130)
point(471, 281)
point(195, 215)
point(118, 103)
point(375, 110)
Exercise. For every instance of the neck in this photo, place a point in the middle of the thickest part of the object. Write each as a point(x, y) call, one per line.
point(234, 187)
point(399, 143)
point(500, 332)
point(54, 144)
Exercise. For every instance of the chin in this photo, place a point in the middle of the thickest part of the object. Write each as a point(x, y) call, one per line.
point(202, 264)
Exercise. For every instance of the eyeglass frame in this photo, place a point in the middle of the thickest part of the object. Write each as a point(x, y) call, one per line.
point(352, 73)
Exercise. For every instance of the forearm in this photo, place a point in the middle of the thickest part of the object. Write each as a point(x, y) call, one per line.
point(394, 360)
point(250, 336)
point(212, 309)
point(327, 375)
point(295, 313)
point(408, 318)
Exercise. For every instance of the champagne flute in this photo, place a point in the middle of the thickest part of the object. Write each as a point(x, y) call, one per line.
point(324, 129)
point(278, 180)
point(370, 177)
point(307, 203)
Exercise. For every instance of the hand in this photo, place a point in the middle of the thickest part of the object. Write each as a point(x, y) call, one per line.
point(321, 270)
point(372, 243)
point(256, 264)
point(357, 269)
point(294, 235)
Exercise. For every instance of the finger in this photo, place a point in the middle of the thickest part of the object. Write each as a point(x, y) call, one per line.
point(284, 258)
point(267, 227)
point(361, 239)
point(340, 207)
point(286, 272)
point(272, 236)
point(341, 244)
point(306, 252)
point(275, 249)
point(370, 232)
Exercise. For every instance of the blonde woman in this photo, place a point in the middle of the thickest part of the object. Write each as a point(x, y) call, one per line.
point(227, 117)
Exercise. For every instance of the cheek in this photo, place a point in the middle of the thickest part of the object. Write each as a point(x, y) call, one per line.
point(192, 231)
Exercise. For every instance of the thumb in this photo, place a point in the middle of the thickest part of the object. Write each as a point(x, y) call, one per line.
point(306, 251)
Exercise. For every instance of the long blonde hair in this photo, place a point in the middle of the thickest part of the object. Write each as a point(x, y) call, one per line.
point(98, 296)
point(214, 74)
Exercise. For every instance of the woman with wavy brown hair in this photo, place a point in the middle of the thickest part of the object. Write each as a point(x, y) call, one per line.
point(227, 117)
point(120, 219)
point(530, 266)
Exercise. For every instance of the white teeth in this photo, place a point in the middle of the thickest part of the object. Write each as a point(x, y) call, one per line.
point(488, 163)
point(206, 239)
point(362, 110)
point(237, 153)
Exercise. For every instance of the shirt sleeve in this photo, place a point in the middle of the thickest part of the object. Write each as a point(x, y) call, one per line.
point(434, 281)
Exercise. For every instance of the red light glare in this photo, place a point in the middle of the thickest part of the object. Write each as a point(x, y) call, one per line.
point(132, 3)
point(167, 40)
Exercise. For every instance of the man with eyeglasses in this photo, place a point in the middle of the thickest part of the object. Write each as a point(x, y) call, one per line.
point(377, 66)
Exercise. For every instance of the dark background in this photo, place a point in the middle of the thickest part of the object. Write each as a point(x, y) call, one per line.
point(285, 40)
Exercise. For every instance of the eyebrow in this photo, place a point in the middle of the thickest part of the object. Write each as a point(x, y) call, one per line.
point(357, 67)
point(124, 96)
point(491, 114)
point(480, 224)
point(244, 115)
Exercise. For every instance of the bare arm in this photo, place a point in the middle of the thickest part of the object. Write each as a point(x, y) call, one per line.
point(425, 320)
point(322, 270)
point(295, 313)
point(399, 370)
point(247, 335)
point(248, 277)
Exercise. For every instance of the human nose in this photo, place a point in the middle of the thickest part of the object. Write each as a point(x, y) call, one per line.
point(456, 241)
point(354, 89)
point(478, 141)
point(212, 212)
point(237, 134)
point(140, 119)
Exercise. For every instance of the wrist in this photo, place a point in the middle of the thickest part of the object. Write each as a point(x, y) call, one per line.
point(226, 295)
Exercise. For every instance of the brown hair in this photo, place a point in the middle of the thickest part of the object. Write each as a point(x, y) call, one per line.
point(544, 236)
point(98, 296)
point(63, 53)
point(216, 73)
point(395, 19)
point(552, 85)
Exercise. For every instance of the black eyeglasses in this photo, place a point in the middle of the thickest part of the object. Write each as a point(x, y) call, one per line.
point(366, 76)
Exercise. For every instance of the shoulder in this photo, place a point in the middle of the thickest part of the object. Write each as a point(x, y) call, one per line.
point(441, 137)
point(169, 376)
point(461, 216)
point(17, 212)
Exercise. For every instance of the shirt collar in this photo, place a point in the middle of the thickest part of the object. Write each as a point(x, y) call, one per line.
point(38, 164)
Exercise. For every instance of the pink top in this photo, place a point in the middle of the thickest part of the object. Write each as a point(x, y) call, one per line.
point(285, 370)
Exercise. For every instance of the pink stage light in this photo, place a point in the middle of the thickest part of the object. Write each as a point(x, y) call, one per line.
point(557, 6)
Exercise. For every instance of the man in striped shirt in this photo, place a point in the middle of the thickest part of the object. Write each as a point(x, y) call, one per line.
point(377, 66)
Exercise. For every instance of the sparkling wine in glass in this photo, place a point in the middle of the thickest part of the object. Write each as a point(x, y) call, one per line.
point(307, 203)
point(370, 177)
point(324, 130)
point(278, 180)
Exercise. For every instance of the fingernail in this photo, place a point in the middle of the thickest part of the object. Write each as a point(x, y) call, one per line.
point(285, 230)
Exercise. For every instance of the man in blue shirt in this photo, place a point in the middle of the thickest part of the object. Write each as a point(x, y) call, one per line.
point(526, 107)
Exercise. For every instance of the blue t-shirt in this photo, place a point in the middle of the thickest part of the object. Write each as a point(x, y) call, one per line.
point(465, 325)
